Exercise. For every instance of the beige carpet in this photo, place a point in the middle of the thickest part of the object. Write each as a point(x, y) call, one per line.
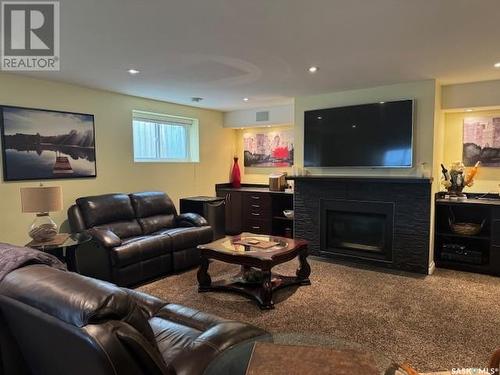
point(439, 322)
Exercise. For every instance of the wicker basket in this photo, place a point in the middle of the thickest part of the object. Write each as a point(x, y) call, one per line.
point(466, 229)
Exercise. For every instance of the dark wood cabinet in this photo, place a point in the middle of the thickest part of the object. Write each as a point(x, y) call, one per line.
point(234, 223)
point(479, 252)
point(256, 212)
point(256, 209)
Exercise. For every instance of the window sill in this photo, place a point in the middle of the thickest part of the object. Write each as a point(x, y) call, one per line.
point(144, 161)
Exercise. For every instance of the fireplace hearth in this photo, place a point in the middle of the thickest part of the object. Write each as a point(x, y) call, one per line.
point(373, 220)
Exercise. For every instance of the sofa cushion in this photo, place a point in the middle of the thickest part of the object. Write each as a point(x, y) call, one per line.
point(137, 249)
point(123, 229)
point(151, 203)
point(154, 223)
point(103, 209)
point(189, 237)
point(154, 210)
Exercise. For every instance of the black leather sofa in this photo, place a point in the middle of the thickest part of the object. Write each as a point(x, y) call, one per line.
point(139, 236)
point(59, 322)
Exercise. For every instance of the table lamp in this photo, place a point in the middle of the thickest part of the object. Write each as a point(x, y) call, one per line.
point(42, 200)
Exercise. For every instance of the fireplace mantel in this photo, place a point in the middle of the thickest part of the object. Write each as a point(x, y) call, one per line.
point(373, 179)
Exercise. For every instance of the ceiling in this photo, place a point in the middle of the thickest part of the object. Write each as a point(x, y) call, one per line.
point(224, 50)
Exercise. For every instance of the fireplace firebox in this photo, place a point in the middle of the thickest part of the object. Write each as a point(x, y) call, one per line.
point(357, 229)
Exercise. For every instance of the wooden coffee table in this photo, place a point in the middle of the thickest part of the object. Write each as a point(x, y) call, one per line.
point(255, 279)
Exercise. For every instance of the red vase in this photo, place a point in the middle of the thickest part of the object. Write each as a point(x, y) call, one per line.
point(235, 174)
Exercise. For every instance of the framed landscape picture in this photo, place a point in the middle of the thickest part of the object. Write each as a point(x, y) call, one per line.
point(40, 144)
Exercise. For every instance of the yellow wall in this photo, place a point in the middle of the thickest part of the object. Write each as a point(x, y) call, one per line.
point(422, 91)
point(256, 175)
point(487, 179)
point(116, 171)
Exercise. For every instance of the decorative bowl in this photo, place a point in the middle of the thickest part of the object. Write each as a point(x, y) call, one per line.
point(288, 213)
point(466, 229)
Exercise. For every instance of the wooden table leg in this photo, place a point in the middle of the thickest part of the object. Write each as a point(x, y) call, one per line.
point(266, 292)
point(304, 269)
point(204, 280)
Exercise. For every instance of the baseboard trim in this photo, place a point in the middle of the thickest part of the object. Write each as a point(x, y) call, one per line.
point(432, 268)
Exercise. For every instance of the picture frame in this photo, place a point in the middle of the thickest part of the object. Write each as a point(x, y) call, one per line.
point(481, 141)
point(272, 148)
point(45, 144)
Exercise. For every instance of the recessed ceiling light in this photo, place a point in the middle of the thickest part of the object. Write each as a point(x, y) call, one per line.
point(497, 65)
point(313, 69)
point(381, 102)
point(246, 99)
point(133, 71)
point(469, 110)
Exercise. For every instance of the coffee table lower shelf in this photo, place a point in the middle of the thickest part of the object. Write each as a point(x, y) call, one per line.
point(259, 291)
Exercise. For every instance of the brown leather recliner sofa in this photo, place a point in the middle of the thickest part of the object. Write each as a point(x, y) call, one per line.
point(140, 236)
point(59, 322)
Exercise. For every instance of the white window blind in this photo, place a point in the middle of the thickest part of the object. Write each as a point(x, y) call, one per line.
point(165, 138)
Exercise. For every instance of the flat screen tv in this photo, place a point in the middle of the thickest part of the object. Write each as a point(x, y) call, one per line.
point(377, 135)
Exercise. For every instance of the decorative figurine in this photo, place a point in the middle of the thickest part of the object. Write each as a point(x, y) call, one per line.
point(455, 179)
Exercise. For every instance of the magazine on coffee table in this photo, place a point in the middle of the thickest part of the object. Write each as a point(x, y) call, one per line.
point(254, 242)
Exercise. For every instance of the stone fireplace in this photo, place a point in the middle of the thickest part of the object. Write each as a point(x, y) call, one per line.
point(380, 221)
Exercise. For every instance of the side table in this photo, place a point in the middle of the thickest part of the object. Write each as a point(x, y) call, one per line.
point(66, 251)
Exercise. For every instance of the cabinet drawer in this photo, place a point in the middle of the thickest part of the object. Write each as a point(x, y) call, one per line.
point(257, 206)
point(257, 200)
point(258, 226)
point(257, 214)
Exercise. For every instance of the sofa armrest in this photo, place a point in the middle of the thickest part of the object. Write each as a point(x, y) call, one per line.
point(105, 237)
point(221, 346)
point(225, 348)
point(190, 220)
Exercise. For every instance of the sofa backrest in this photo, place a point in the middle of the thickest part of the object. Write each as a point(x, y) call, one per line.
point(154, 210)
point(109, 211)
point(67, 323)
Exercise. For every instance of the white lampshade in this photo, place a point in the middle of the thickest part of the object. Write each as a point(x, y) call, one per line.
point(41, 199)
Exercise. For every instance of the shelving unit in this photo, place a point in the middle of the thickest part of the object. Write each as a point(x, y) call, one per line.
point(475, 253)
point(457, 235)
point(281, 225)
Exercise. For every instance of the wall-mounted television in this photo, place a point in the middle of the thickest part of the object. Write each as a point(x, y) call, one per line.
point(378, 135)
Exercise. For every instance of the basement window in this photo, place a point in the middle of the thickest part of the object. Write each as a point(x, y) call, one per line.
point(165, 138)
